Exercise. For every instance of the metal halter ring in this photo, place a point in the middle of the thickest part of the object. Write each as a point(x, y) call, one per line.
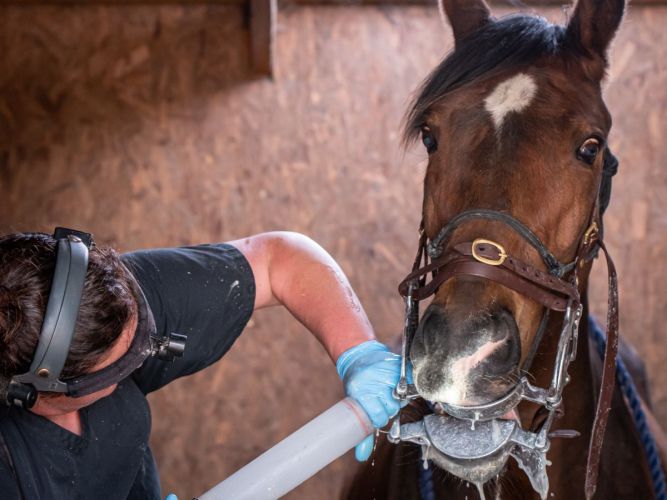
point(502, 255)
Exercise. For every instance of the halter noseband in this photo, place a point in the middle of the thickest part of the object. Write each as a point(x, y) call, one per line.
point(437, 244)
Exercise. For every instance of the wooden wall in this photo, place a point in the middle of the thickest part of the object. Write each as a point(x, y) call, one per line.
point(145, 125)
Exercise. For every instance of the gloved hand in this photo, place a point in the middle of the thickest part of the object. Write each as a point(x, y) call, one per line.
point(171, 496)
point(370, 372)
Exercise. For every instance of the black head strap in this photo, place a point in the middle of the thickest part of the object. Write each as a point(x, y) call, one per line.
point(140, 349)
point(61, 313)
point(146, 343)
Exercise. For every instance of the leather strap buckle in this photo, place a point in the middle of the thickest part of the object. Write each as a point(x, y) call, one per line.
point(591, 233)
point(502, 255)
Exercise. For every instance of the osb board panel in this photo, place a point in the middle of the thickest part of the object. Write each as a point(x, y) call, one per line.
point(144, 125)
point(287, 2)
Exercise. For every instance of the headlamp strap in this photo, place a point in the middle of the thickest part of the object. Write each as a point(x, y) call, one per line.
point(59, 320)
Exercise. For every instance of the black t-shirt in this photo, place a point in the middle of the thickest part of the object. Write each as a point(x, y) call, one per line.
point(206, 292)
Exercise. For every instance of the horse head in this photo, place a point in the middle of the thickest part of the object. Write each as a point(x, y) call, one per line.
point(514, 123)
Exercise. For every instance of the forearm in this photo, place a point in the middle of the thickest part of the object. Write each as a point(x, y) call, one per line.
point(293, 270)
point(296, 272)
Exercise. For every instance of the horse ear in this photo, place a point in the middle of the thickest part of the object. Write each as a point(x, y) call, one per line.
point(465, 16)
point(594, 24)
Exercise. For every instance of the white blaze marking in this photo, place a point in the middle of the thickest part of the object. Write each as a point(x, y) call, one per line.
point(457, 371)
point(511, 96)
point(460, 368)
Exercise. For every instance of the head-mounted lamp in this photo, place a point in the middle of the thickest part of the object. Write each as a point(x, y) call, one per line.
point(58, 329)
point(146, 343)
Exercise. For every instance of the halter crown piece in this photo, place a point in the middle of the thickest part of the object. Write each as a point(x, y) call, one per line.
point(471, 442)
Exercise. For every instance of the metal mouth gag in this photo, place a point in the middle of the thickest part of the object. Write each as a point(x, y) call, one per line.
point(474, 442)
point(477, 455)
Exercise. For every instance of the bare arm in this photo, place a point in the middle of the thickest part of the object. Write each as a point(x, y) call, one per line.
point(292, 270)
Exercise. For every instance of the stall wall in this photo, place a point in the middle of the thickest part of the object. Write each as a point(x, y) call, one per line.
point(146, 126)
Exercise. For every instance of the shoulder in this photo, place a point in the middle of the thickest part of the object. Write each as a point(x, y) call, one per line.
point(182, 282)
point(271, 255)
point(206, 292)
point(214, 256)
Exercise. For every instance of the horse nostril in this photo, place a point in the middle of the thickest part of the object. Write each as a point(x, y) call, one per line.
point(462, 358)
point(505, 358)
point(432, 332)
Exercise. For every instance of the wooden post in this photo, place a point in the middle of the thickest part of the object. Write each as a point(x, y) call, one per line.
point(263, 18)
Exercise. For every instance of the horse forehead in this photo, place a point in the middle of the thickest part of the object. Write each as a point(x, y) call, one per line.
point(511, 95)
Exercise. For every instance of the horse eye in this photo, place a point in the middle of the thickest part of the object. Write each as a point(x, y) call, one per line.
point(589, 150)
point(428, 140)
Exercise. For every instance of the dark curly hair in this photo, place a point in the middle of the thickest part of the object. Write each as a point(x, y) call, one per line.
point(27, 264)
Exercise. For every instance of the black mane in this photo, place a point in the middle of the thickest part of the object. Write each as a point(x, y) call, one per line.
point(510, 42)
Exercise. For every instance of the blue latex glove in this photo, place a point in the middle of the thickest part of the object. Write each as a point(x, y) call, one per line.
point(370, 372)
point(171, 496)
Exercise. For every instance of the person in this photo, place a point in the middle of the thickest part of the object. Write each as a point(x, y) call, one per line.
point(95, 444)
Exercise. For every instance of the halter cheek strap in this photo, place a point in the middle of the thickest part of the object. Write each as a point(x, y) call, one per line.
point(608, 379)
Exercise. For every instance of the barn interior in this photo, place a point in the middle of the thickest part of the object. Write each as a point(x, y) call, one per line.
point(158, 123)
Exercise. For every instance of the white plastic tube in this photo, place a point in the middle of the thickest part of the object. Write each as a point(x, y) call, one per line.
point(298, 456)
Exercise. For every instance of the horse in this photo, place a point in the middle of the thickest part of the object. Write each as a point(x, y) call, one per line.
point(518, 177)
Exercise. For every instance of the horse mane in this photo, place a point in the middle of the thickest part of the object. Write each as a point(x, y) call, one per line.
point(511, 42)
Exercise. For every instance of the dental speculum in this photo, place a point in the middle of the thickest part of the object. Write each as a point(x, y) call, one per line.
point(474, 442)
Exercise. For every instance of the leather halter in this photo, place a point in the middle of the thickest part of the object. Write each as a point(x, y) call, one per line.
point(556, 290)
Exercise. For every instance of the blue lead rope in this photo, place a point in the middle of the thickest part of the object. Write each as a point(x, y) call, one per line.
point(627, 386)
point(629, 390)
point(426, 486)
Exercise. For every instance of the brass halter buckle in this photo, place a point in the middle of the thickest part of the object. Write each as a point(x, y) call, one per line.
point(502, 255)
point(591, 233)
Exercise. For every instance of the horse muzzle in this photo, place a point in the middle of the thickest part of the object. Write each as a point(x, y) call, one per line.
point(462, 358)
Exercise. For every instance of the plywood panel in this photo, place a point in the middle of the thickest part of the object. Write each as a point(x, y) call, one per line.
point(145, 125)
point(500, 3)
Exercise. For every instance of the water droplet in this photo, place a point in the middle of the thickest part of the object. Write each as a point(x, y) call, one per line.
point(480, 489)
point(474, 419)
